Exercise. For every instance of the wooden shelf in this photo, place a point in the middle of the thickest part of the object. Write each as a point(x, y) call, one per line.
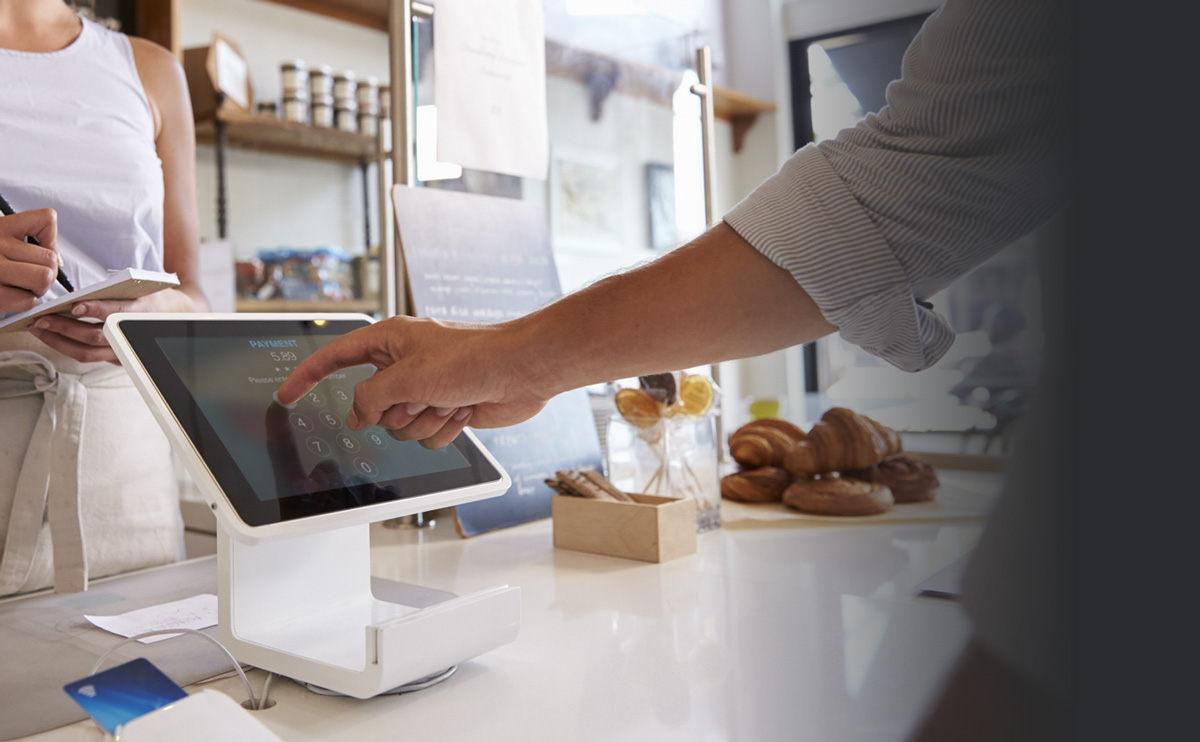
point(363, 306)
point(269, 134)
point(369, 13)
point(740, 110)
point(730, 104)
point(604, 75)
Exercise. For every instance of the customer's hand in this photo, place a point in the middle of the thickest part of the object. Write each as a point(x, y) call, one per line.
point(432, 378)
point(26, 270)
point(81, 336)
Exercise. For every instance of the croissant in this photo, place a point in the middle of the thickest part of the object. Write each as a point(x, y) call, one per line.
point(842, 439)
point(765, 484)
point(763, 442)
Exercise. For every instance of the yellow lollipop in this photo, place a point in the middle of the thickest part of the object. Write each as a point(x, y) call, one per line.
point(696, 395)
point(638, 408)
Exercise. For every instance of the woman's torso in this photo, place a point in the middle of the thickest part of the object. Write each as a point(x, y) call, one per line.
point(77, 135)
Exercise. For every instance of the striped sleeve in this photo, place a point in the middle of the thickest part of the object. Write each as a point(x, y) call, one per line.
point(967, 156)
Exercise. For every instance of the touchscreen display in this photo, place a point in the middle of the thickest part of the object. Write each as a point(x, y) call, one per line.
point(277, 463)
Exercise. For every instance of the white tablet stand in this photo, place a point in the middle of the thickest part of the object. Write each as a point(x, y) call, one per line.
point(297, 597)
point(303, 607)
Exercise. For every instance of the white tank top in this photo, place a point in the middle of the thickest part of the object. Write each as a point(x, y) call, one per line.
point(77, 135)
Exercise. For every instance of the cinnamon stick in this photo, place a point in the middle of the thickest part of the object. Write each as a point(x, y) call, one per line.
point(602, 482)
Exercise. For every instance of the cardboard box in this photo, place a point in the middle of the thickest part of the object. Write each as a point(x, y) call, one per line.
point(654, 529)
point(218, 78)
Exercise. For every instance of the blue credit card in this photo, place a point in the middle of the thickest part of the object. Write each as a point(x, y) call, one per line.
point(121, 694)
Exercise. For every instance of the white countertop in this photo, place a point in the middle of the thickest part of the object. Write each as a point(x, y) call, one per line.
point(773, 630)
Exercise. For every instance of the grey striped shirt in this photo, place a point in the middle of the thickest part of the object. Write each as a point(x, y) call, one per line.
point(967, 155)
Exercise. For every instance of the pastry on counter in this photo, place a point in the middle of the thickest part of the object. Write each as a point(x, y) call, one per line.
point(833, 495)
point(909, 478)
point(763, 442)
point(764, 484)
point(841, 440)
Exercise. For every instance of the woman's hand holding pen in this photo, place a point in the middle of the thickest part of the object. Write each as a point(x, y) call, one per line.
point(27, 270)
point(29, 264)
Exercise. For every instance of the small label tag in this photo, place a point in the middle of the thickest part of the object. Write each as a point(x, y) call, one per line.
point(121, 694)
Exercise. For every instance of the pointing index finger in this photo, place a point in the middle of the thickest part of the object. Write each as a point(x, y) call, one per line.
point(342, 352)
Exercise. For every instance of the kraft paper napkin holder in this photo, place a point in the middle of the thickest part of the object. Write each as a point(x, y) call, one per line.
point(653, 529)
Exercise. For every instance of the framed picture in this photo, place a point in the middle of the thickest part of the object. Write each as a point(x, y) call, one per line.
point(660, 205)
point(585, 202)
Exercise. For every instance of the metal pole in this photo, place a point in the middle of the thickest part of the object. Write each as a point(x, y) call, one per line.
point(222, 142)
point(383, 184)
point(708, 143)
point(400, 48)
point(403, 112)
point(366, 186)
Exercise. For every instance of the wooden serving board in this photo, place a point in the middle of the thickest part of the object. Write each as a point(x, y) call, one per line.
point(962, 495)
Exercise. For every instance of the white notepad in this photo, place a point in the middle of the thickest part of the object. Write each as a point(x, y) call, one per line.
point(130, 283)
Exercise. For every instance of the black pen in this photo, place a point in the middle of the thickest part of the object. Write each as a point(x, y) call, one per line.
point(62, 277)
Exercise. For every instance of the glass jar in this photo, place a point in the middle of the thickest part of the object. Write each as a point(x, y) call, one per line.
point(345, 87)
point(674, 457)
point(347, 118)
point(320, 82)
point(293, 74)
point(368, 123)
point(295, 109)
point(322, 111)
point(368, 94)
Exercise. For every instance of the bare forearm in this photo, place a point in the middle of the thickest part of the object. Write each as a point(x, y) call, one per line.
point(193, 292)
point(714, 299)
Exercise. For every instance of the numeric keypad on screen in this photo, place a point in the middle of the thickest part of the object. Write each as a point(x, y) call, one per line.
point(321, 415)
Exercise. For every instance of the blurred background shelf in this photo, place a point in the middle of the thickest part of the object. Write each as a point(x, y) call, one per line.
point(269, 134)
point(369, 13)
point(363, 306)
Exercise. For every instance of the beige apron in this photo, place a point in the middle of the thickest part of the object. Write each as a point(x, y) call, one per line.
point(87, 482)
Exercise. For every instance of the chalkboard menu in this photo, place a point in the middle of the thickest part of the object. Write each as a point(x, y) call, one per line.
point(485, 259)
